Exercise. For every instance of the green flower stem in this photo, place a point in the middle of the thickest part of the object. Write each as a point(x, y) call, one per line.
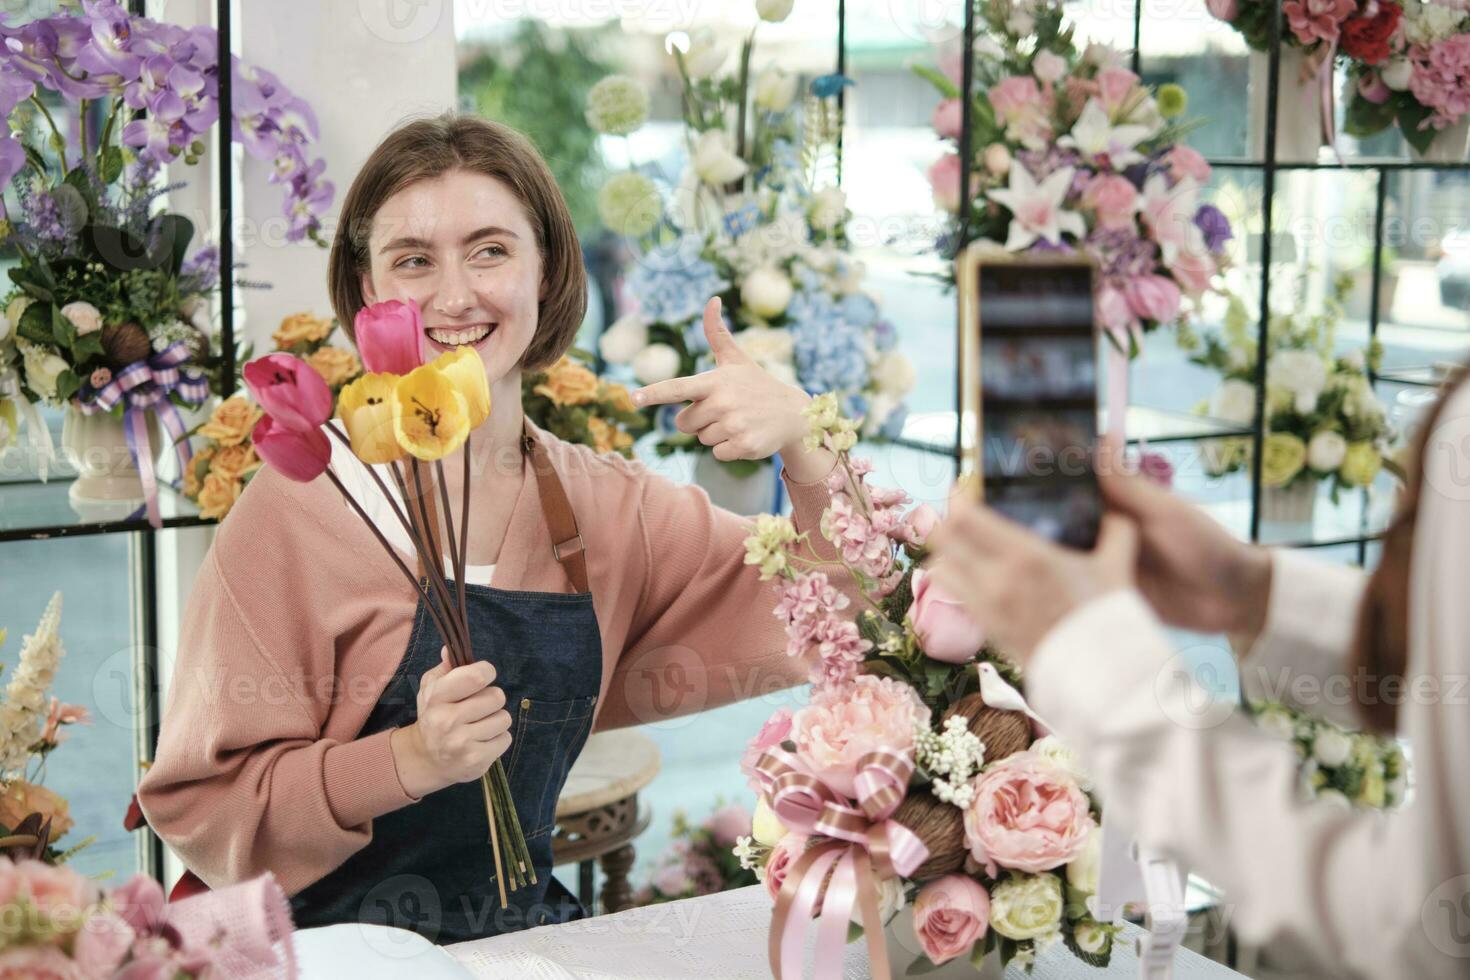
point(55, 131)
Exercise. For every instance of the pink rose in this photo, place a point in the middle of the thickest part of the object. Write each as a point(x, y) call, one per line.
point(1115, 200)
point(947, 120)
point(1193, 272)
point(921, 522)
point(672, 879)
point(944, 181)
point(1027, 815)
point(102, 944)
point(1115, 88)
point(782, 857)
point(1015, 95)
point(1185, 161)
point(57, 891)
point(839, 725)
point(1317, 20)
point(951, 914)
point(1152, 297)
point(728, 823)
point(772, 733)
point(37, 963)
point(1226, 10)
point(945, 630)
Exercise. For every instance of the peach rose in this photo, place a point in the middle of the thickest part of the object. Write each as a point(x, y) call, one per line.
point(201, 461)
point(217, 496)
point(20, 799)
point(951, 914)
point(231, 421)
point(233, 462)
point(782, 857)
point(300, 328)
point(62, 895)
point(568, 383)
point(946, 632)
point(336, 365)
point(618, 395)
point(841, 724)
point(604, 435)
point(1027, 815)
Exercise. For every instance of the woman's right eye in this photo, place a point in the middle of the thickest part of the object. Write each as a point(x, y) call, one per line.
point(404, 264)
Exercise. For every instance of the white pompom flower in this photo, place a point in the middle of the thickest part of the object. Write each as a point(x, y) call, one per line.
point(617, 105)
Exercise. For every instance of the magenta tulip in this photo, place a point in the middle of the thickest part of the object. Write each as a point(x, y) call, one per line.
point(390, 337)
point(290, 390)
point(300, 456)
point(945, 630)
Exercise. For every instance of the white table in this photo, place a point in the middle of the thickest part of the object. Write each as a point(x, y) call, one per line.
point(719, 937)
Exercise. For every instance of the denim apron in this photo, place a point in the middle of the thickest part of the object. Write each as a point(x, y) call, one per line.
point(428, 867)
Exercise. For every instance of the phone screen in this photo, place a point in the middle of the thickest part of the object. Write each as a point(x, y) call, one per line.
point(1038, 397)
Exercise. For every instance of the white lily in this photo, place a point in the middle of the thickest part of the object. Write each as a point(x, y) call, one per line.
point(1094, 135)
point(1036, 209)
point(1169, 212)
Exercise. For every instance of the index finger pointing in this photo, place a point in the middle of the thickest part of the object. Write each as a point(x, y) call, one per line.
point(687, 389)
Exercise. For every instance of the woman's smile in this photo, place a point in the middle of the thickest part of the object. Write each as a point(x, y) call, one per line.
point(447, 338)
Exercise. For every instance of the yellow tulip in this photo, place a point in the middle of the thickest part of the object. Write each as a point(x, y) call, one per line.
point(366, 408)
point(430, 416)
point(467, 373)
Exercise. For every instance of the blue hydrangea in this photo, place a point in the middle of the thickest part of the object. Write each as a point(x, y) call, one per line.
point(885, 335)
point(672, 283)
point(742, 219)
point(893, 425)
point(858, 309)
point(854, 405)
point(663, 419)
point(830, 353)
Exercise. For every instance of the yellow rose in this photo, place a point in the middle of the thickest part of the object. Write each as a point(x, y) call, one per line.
point(217, 496)
point(203, 460)
point(1284, 456)
point(234, 462)
point(568, 383)
point(618, 395)
point(1361, 464)
point(336, 365)
point(300, 328)
point(20, 799)
point(602, 434)
point(231, 421)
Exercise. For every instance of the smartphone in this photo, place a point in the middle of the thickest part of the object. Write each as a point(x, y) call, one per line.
point(1029, 390)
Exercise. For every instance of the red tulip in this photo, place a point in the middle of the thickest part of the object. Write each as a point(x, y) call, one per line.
point(390, 337)
point(300, 456)
point(291, 390)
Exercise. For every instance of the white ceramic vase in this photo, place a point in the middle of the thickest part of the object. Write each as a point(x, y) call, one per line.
point(745, 495)
point(1290, 506)
point(97, 446)
point(1449, 146)
point(903, 949)
point(1298, 108)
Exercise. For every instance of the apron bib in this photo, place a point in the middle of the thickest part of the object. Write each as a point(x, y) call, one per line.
point(428, 867)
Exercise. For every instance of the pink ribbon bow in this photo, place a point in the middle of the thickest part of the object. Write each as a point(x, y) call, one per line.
point(856, 840)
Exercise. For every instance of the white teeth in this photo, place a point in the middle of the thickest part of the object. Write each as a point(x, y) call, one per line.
point(452, 338)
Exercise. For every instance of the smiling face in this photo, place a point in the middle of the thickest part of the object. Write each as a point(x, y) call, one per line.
point(462, 247)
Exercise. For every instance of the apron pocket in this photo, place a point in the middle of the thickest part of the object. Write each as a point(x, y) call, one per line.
point(546, 738)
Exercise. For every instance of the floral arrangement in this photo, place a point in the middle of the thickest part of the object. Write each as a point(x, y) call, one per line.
point(757, 219)
point(1072, 153)
point(401, 411)
point(914, 775)
point(574, 404)
point(1339, 767)
point(1411, 68)
point(700, 860)
point(31, 723)
point(219, 471)
point(1323, 420)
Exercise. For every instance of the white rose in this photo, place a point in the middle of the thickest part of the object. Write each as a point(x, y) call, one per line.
point(1053, 750)
point(1397, 73)
point(1276, 721)
point(890, 900)
point(1355, 360)
point(84, 316)
point(774, 89)
point(42, 368)
point(655, 363)
point(705, 53)
point(715, 160)
point(1048, 66)
point(774, 11)
point(765, 826)
point(1326, 451)
point(1301, 372)
point(5, 327)
point(1331, 748)
point(624, 339)
point(1026, 906)
point(827, 208)
point(766, 291)
point(1090, 937)
point(767, 346)
point(1083, 870)
point(894, 374)
point(1335, 799)
point(17, 308)
point(1234, 401)
point(1020, 23)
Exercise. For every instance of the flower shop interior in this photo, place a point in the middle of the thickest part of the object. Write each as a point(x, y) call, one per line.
point(1274, 197)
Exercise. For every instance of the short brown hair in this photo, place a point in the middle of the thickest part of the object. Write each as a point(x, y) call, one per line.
point(427, 148)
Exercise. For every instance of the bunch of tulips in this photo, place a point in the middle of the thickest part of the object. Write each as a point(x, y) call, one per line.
point(401, 411)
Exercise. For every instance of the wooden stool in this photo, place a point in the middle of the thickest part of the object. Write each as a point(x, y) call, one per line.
point(598, 815)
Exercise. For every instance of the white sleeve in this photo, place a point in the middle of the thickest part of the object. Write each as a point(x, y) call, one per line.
point(1209, 789)
point(1300, 658)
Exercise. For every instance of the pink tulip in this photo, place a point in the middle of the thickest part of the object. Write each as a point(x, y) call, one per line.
point(947, 118)
point(390, 336)
point(300, 456)
point(1152, 298)
point(951, 914)
point(945, 630)
point(290, 390)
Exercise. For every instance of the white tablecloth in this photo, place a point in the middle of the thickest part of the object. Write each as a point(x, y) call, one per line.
point(719, 937)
